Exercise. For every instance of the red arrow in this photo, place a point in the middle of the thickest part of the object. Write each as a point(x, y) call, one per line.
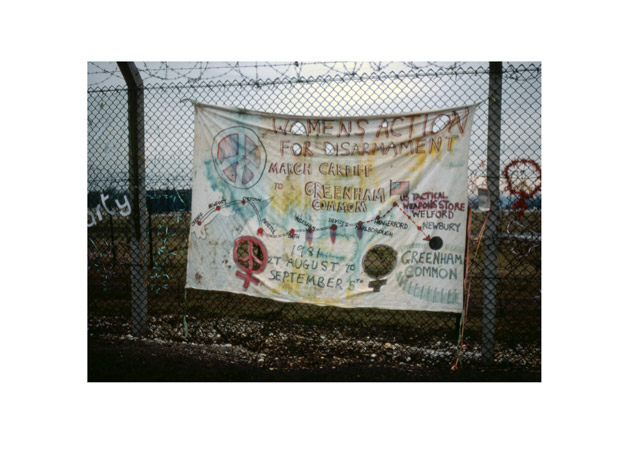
point(427, 238)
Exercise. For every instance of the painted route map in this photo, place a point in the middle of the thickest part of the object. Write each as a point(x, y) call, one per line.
point(346, 211)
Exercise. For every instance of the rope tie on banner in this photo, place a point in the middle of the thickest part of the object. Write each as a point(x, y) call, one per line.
point(467, 282)
point(481, 233)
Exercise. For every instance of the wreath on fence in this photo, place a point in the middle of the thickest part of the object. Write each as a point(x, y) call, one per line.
point(519, 191)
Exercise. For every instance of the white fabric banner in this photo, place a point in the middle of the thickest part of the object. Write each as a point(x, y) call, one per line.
point(346, 211)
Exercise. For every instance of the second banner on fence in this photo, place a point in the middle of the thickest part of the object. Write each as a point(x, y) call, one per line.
point(347, 211)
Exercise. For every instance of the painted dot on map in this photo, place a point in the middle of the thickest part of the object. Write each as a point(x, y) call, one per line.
point(333, 227)
point(218, 208)
point(259, 231)
point(199, 223)
point(435, 243)
point(395, 204)
point(243, 201)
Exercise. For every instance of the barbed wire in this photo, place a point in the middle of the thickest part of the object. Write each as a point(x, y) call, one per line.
point(107, 73)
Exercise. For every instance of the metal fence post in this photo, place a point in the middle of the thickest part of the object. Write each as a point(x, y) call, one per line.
point(491, 232)
point(137, 189)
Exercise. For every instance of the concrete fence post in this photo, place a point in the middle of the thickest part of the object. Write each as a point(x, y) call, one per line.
point(137, 192)
point(490, 286)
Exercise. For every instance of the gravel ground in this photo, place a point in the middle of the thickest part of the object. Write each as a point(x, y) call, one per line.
point(248, 350)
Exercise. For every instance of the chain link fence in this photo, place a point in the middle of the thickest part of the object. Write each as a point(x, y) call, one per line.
point(506, 271)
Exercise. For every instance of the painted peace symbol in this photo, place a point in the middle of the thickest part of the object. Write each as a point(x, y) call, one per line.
point(239, 156)
point(250, 255)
